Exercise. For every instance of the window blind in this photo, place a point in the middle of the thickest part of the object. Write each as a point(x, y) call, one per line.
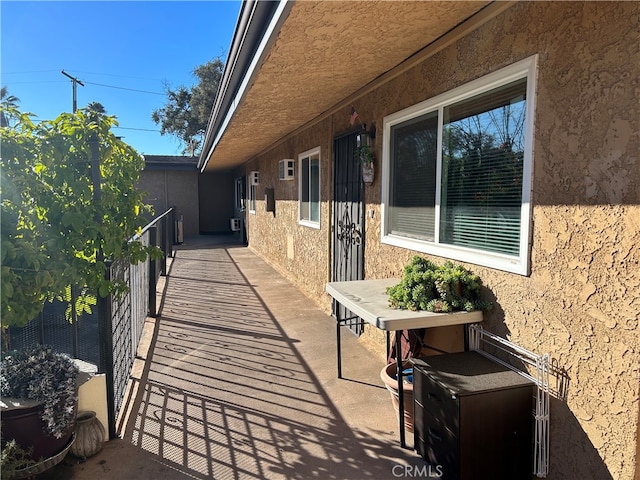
point(413, 177)
point(482, 155)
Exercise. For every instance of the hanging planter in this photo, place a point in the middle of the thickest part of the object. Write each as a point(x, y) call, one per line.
point(368, 173)
point(366, 157)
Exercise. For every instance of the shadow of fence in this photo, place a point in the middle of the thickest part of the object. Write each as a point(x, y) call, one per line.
point(226, 395)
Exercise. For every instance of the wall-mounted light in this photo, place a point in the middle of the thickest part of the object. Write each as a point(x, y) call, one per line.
point(371, 132)
point(363, 139)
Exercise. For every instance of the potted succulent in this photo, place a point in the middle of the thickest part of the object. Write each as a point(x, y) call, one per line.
point(437, 288)
point(39, 405)
point(366, 156)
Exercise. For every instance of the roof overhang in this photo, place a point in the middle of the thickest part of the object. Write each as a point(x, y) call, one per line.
point(292, 63)
point(170, 162)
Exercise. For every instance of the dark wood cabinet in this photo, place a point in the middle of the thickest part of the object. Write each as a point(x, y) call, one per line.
point(473, 418)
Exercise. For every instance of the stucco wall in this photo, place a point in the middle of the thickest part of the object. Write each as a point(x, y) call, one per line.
point(581, 302)
point(166, 188)
point(299, 252)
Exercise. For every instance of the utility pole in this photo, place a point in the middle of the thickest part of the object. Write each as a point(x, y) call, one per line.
point(75, 83)
point(74, 289)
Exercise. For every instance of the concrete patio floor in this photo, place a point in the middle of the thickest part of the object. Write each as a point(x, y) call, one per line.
point(237, 380)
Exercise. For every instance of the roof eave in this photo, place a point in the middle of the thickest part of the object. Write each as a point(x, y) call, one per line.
point(258, 25)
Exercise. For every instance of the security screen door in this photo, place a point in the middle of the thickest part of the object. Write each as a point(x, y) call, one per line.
point(348, 219)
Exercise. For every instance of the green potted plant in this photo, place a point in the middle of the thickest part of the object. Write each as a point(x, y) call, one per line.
point(366, 157)
point(39, 404)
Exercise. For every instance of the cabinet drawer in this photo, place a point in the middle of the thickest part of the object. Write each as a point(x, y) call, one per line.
point(436, 400)
point(438, 446)
point(426, 424)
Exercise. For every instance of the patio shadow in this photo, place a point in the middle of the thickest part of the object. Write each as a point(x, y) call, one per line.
point(225, 392)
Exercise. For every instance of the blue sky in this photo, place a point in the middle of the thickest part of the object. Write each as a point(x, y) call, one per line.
point(124, 52)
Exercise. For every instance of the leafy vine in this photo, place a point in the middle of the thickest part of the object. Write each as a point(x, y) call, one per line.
point(55, 230)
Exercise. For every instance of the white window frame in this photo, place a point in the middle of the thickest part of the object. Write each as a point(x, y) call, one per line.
point(308, 154)
point(520, 264)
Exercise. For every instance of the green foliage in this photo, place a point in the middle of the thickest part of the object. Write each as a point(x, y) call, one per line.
point(9, 103)
point(187, 110)
point(365, 154)
point(444, 288)
point(54, 232)
point(14, 458)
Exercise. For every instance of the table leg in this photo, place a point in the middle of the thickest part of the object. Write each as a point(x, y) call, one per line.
point(399, 368)
point(465, 333)
point(338, 341)
point(388, 344)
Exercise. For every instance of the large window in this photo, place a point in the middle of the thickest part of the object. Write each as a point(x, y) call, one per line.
point(309, 188)
point(457, 172)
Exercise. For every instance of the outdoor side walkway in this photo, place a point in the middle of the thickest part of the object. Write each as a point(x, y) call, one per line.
point(238, 381)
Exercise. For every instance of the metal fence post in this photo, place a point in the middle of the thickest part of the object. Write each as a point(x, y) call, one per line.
point(106, 354)
point(163, 244)
point(173, 229)
point(74, 321)
point(153, 231)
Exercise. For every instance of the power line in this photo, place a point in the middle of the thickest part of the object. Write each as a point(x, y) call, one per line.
point(36, 81)
point(124, 88)
point(30, 71)
point(117, 75)
point(91, 83)
point(121, 128)
point(26, 72)
point(139, 129)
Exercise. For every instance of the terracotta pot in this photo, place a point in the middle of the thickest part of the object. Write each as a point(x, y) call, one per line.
point(388, 376)
point(89, 435)
point(24, 425)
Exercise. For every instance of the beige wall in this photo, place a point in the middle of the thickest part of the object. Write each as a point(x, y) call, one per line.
point(299, 252)
point(166, 188)
point(581, 302)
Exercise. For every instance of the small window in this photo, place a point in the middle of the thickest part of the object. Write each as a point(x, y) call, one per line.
point(457, 172)
point(309, 188)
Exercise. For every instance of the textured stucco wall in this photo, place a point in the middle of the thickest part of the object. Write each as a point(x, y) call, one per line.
point(299, 252)
point(166, 188)
point(581, 302)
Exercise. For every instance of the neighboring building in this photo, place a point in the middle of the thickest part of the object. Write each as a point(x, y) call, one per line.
point(505, 136)
point(199, 200)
